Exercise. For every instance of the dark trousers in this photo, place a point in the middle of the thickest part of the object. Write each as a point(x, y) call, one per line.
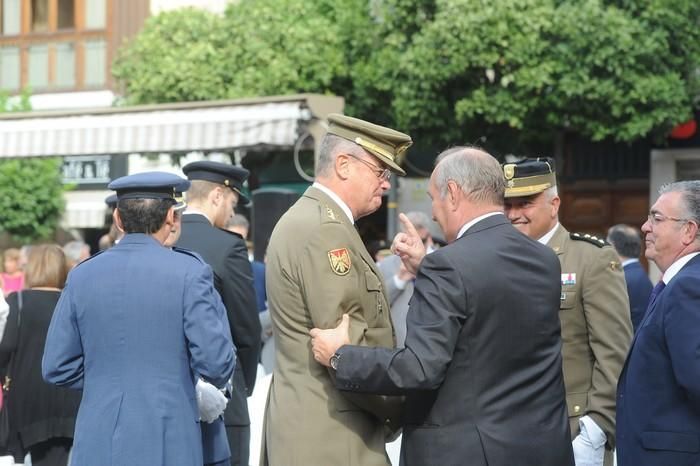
point(239, 441)
point(53, 452)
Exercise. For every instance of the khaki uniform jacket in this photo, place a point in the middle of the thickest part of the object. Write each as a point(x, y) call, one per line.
point(317, 269)
point(596, 328)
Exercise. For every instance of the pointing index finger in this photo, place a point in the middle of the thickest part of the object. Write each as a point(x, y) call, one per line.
point(408, 226)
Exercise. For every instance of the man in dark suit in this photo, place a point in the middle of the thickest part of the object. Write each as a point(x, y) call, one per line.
point(481, 368)
point(216, 189)
point(628, 245)
point(658, 394)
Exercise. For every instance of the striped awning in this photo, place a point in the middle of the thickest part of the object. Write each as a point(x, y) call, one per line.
point(166, 129)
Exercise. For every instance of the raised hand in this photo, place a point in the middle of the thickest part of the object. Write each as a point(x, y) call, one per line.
point(408, 245)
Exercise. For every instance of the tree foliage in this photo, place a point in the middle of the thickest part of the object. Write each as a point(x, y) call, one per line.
point(31, 197)
point(31, 189)
point(447, 71)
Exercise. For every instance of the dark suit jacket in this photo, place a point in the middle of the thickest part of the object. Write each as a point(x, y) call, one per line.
point(638, 289)
point(227, 255)
point(482, 367)
point(658, 394)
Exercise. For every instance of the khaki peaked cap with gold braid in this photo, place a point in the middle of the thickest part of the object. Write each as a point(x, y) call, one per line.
point(528, 177)
point(386, 144)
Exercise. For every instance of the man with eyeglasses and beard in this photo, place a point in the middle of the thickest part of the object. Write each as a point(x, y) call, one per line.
point(658, 396)
point(318, 269)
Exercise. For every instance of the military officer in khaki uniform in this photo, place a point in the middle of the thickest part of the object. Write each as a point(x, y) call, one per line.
point(595, 323)
point(317, 269)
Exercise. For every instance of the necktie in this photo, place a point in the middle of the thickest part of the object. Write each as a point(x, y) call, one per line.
point(656, 291)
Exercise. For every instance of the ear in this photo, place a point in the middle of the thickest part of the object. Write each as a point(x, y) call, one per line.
point(170, 218)
point(215, 196)
point(342, 166)
point(555, 202)
point(454, 194)
point(690, 233)
point(117, 219)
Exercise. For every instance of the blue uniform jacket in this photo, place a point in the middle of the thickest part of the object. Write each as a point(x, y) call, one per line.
point(133, 329)
point(658, 394)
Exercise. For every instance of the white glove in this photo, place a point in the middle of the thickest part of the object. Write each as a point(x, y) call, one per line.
point(210, 401)
point(589, 445)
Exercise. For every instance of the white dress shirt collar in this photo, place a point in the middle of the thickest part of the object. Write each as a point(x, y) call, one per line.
point(545, 239)
point(472, 222)
point(192, 210)
point(677, 266)
point(627, 262)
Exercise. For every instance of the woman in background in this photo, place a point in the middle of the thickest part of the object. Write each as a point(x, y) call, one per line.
point(42, 416)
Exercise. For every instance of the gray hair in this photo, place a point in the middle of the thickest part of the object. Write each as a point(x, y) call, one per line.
point(477, 173)
point(331, 146)
point(74, 250)
point(419, 219)
point(551, 192)
point(238, 220)
point(690, 194)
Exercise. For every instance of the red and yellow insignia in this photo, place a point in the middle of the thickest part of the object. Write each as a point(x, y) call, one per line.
point(340, 261)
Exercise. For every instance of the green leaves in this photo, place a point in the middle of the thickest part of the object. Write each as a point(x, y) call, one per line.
point(31, 189)
point(31, 197)
point(446, 71)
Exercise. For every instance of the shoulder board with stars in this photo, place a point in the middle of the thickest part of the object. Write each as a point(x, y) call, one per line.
point(588, 238)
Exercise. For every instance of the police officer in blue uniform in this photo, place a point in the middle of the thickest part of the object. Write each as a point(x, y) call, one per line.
point(215, 191)
point(135, 327)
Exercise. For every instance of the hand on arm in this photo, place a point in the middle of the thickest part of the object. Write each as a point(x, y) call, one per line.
point(325, 343)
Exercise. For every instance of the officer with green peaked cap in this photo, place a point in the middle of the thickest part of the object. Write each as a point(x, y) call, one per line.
point(596, 330)
point(386, 144)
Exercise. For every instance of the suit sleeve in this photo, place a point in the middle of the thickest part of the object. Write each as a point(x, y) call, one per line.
point(238, 294)
point(606, 309)
point(212, 354)
point(63, 360)
point(681, 323)
point(435, 318)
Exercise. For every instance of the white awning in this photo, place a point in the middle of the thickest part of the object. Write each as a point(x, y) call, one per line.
point(169, 128)
point(85, 209)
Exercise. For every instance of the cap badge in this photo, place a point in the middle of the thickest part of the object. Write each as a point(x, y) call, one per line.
point(509, 171)
point(226, 183)
point(340, 261)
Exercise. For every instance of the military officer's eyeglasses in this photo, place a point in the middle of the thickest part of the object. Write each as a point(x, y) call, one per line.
point(655, 218)
point(382, 174)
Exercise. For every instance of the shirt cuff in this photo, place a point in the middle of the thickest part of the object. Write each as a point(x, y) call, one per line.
point(398, 283)
point(591, 430)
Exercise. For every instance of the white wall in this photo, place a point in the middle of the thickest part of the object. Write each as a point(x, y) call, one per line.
point(216, 6)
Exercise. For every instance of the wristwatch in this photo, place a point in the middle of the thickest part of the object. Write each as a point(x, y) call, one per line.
point(334, 361)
